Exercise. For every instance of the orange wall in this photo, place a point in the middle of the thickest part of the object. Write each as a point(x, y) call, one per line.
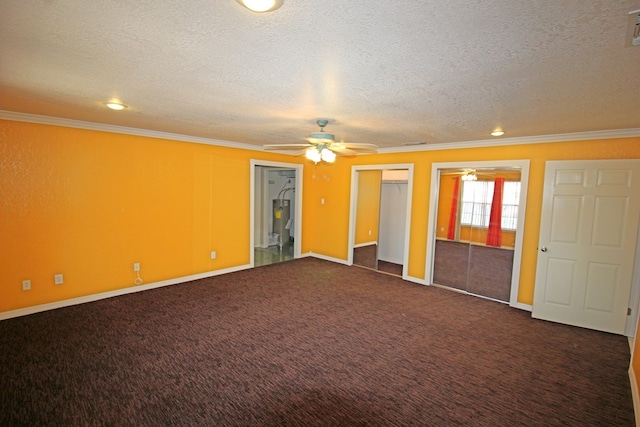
point(368, 206)
point(326, 226)
point(538, 154)
point(445, 198)
point(89, 204)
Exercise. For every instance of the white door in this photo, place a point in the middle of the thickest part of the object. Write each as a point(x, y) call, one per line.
point(587, 243)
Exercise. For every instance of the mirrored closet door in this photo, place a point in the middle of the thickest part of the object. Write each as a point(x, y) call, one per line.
point(476, 230)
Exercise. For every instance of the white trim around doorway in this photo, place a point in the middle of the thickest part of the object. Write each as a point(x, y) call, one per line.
point(433, 214)
point(297, 238)
point(354, 205)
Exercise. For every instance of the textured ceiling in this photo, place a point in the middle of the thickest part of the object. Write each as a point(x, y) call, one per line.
point(386, 73)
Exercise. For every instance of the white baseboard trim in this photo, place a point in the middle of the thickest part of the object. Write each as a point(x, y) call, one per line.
point(634, 394)
point(361, 245)
point(118, 292)
point(417, 280)
point(522, 306)
point(328, 258)
point(129, 290)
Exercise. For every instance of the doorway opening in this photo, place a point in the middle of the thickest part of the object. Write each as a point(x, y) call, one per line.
point(276, 199)
point(476, 222)
point(379, 225)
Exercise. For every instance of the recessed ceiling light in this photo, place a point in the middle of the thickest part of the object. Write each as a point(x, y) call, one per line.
point(261, 5)
point(497, 132)
point(116, 105)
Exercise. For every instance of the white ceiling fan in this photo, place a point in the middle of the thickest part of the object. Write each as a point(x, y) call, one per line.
point(323, 146)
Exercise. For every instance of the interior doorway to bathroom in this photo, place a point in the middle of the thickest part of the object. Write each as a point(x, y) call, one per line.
point(276, 212)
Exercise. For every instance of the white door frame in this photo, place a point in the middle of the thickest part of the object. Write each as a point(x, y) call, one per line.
point(297, 205)
point(354, 207)
point(433, 214)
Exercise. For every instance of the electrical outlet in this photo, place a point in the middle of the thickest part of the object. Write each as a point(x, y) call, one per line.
point(26, 285)
point(213, 254)
point(136, 266)
point(58, 279)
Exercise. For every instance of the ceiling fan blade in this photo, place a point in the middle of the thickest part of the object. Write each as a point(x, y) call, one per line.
point(285, 146)
point(343, 151)
point(359, 147)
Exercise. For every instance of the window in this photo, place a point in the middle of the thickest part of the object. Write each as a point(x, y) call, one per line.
point(476, 204)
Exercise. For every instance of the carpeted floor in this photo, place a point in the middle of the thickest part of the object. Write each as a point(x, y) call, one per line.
point(307, 343)
point(367, 256)
point(390, 267)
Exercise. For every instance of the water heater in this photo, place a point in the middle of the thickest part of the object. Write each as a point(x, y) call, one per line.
point(281, 216)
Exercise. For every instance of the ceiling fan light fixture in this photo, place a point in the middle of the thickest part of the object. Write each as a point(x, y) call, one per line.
point(313, 154)
point(261, 5)
point(322, 146)
point(328, 155)
point(316, 154)
point(470, 176)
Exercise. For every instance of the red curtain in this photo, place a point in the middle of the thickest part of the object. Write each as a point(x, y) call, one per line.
point(451, 232)
point(494, 233)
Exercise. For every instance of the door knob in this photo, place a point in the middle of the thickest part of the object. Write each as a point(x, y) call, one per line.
point(543, 249)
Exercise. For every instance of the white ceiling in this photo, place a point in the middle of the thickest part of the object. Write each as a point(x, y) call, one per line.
point(386, 73)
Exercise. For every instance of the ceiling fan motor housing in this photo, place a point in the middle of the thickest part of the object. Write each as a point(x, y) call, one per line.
point(322, 136)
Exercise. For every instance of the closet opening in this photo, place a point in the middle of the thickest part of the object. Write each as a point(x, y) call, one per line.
point(380, 215)
point(475, 233)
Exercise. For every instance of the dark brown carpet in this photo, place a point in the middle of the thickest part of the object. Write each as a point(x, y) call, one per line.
point(366, 256)
point(390, 267)
point(307, 343)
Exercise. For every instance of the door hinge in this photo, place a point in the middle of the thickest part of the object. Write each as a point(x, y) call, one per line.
point(629, 311)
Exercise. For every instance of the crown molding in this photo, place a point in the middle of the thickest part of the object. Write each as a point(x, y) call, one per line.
point(539, 139)
point(78, 124)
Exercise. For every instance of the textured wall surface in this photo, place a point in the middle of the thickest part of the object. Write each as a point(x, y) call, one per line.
point(89, 204)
